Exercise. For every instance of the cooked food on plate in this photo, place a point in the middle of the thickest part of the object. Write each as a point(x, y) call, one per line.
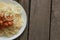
point(10, 19)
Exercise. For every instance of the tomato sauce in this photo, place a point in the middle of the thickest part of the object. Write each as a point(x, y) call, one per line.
point(5, 23)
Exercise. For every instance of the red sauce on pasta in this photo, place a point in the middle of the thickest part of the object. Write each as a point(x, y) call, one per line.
point(5, 23)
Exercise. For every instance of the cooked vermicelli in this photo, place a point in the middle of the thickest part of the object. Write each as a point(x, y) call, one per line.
point(10, 19)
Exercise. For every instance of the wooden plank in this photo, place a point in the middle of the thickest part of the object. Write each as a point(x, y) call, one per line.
point(55, 24)
point(39, 20)
point(25, 4)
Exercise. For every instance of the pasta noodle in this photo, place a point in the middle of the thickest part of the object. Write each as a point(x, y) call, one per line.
point(10, 9)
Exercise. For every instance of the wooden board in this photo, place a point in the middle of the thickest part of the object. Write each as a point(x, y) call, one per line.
point(39, 20)
point(55, 24)
point(25, 4)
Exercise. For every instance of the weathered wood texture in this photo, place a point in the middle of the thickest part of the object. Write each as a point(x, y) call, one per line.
point(25, 4)
point(39, 20)
point(55, 24)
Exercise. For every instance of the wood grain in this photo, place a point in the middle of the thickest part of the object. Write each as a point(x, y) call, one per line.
point(25, 4)
point(39, 20)
point(55, 24)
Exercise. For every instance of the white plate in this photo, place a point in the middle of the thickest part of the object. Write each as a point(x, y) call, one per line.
point(24, 16)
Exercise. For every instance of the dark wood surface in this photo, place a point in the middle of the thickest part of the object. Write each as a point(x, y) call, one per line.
point(43, 20)
point(39, 20)
point(55, 20)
